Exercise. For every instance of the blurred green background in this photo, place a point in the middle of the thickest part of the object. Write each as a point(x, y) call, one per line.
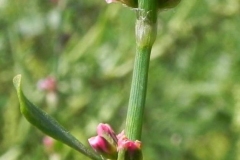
point(193, 99)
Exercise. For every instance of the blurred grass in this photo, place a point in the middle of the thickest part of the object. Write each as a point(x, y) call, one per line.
point(192, 107)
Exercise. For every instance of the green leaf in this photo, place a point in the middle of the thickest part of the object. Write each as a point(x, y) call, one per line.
point(47, 124)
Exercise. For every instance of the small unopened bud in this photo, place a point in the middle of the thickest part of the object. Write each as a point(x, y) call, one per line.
point(103, 147)
point(105, 130)
point(131, 149)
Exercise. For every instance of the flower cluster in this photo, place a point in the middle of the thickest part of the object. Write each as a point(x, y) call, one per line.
point(108, 144)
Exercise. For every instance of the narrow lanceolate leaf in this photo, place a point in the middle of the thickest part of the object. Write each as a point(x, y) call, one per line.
point(47, 124)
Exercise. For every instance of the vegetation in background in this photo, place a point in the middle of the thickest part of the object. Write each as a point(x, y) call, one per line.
point(192, 105)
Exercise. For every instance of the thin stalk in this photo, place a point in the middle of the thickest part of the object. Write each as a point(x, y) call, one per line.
point(137, 94)
point(146, 31)
point(145, 37)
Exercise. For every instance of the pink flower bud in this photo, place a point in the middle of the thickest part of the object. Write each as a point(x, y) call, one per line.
point(108, 144)
point(125, 143)
point(132, 145)
point(47, 84)
point(103, 147)
point(105, 130)
point(132, 149)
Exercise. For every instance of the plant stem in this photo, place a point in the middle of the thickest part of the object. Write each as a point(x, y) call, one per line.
point(145, 37)
point(137, 94)
point(146, 30)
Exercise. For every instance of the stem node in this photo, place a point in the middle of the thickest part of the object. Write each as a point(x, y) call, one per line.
point(145, 32)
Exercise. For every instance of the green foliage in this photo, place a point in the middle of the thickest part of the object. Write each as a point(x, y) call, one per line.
point(192, 105)
point(46, 123)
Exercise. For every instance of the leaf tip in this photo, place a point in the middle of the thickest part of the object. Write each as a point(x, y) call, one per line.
point(17, 81)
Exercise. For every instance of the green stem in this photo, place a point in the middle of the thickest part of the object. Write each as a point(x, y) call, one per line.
point(145, 37)
point(146, 31)
point(138, 94)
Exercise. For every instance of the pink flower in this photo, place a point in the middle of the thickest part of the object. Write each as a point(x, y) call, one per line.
point(125, 143)
point(48, 141)
point(105, 142)
point(102, 146)
point(107, 132)
point(129, 145)
point(47, 84)
point(132, 149)
point(108, 144)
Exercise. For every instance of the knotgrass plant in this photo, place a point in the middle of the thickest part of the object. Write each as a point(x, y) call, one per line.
point(190, 110)
point(107, 144)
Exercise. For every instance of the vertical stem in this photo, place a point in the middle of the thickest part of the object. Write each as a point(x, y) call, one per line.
point(145, 37)
point(146, 31)
point(138, 94)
